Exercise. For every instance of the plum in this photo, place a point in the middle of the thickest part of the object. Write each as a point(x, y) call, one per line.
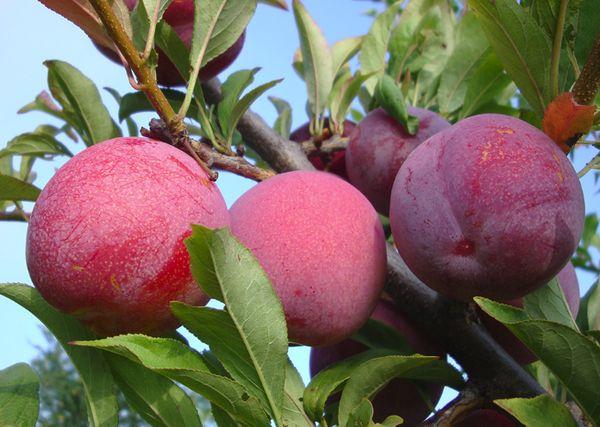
point(334, 163)
point(321, 243)
point(378, 147)
point(513, 346)
point(180, 15)
point(399, 397)
point(105, 239)
point(490, 206)
point(487, 418)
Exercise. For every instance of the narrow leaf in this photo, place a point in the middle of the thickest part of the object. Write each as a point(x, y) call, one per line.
point(389, 96)
point(343, 51)
point(91, 365)
point(35, 144)
point(283, 123)
point(549, 303)
point(12, 188)
point(539, 411)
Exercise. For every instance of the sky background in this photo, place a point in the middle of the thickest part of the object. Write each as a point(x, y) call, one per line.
point(31, 33)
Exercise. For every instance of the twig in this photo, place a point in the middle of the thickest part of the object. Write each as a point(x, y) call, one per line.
point(466, 402)
point(491, 370)
point(331, 145)
point(230, 163)
point(17, 216)
point(586, 86)
point(589, 166)
point(151, 32)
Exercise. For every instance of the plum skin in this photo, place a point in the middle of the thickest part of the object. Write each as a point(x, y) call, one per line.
point(489, 207)
point(378, 147)
point(399, 397)
point(321, 243)
point(513, 346)
point(334, 163)
point(105, 239)
point(180, 15)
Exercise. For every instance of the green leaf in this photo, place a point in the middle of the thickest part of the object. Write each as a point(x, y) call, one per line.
point(231, 91)
point(229, 272)
point(486, 83)
point(374, 48)
point(12, 188)
point(156, 398)
point(19, 399)
point(343, 51)
point(522, 46)
point(91, 365)
point(218, 24)
point(180, 363)
point(587, 29)
point(470, 48)
point(572, 357)
point(549, 303)
point(44, 103)
point(361, 415)
point(280, 4)
point(243, 105)
point(131, 125)
point(316, 59)
point(375, 334)
point(438, 372)
point(293, 411)
point(283, 123)
point(137, 102)
point(389, 96)
point(539, 411)
point(372, 375)
point(331, 380)
point(83, 96)
point(339, 107)
point(588, 317)
point(35, 144)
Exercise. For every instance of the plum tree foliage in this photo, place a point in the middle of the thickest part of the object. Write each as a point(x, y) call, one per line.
point(451, 120)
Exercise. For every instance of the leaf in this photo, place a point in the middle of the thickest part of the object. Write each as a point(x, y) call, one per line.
point(438, 372)
point(12, 188)
point(587, 29)
point(522, 46)
point(372, 375)
point(389, 96)
point(35, 144)
point(293, 411)
point(573, 358)
point(131, 125)
point(82, 14)
point(180, 363)
point(283, 123)
point(588, 317)
point(539, 411)
point(93, 370)
point(343, 51)
point(331, 380)
point(231, 91)
point(339, 108)
point(374, 48)
point(83, 96)
point(157, 399)
point(375, 334)
point(317, 60)
point(549, 303)
point(228, 271)
point(280, 4)
point(565, 119)
point(361, 415)
point(487, 82)
point(470, 49)
point(44, 103)
point(218, 24)
point(136, 102)
point(19, 399)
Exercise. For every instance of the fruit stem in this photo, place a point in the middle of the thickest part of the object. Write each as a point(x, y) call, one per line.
point(151, 32)
point(586, 86)
point(17, 215)
point(556, 46)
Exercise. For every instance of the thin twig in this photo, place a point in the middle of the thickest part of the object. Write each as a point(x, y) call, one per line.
point(331, 145)
point(457, 409)
point(556, 45)
point(17, 216)
point(151, 32)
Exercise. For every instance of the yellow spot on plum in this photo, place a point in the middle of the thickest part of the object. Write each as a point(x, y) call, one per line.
point(114, 283)
point(502, 131)
point(77, 267)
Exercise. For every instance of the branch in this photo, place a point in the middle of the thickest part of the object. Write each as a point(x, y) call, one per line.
point(467, 401)
point(587, 84)
point(15, 216)
point(491, 370)
point(331, 145)
point(235, 164)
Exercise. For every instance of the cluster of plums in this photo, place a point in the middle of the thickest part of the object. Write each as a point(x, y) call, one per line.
point(489, 206)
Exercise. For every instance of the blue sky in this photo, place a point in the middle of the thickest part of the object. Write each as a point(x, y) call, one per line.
point(31, 34)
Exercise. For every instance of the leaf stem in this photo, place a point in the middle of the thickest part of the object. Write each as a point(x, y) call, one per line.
point(556, 46)
point(589, 166)
point(586, 86)
point(18, 215)
point(151, 32)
